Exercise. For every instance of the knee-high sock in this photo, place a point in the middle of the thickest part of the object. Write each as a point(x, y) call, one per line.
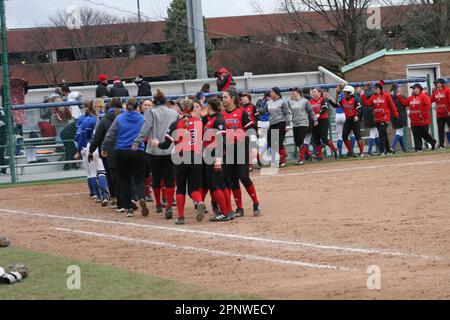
point(227, 194)
point(332, 147)
point(252, 193)
point(370, 146)
point(103, 186)
point(169, 197)
point(204, 194)
point(197, 196)
point(306, 149)
point(402, 144)
point(147, 186)
point(181, 198)
point(319, 151)
point(339, 147)
point(157, 194)
point(361, 147)
point(301, 153)
point(353, 140)
point(395, 142)
point(163, 190)
point(377, 143)
point(348, 144)
point(238, 197)
point(94, 184)
point(91, 187)
point(282, 154)
point(219, 198)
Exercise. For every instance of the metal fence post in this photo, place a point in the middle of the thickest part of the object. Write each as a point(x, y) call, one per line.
point(431, 111)
point(6, 93)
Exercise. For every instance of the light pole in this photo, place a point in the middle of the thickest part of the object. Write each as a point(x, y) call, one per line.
point(196, 33)
point(139, 9)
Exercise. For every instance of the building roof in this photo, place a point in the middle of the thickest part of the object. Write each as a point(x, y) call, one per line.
point(391, 52)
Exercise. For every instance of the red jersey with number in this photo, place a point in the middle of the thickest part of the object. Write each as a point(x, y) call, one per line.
point(350, 106)
point(186, 134)
point(213, 127)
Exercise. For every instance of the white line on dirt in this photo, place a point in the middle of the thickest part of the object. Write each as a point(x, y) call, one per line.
point(206, 251)
point(352, 169)
point(227, 235)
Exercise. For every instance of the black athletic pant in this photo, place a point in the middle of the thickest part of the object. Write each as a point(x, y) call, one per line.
point(190, 176)
point(320, 132)
point(441, 128)
point(299, 135)
point(131, 165)
point(235, 170)
point(351, 125)
point(419, 133)
point(216, 179)
point(382, 132)
point(162, 169)
point(281, 127)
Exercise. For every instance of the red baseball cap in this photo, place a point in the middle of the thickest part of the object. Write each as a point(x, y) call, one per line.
point(102, 77)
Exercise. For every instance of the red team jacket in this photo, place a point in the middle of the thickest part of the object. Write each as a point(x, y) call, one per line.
point(317, 106)
point(442, 99)
point(419, 108)
point(382, 106)
point(252, 113)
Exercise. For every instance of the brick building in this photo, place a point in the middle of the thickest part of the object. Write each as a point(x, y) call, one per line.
point(396, 64)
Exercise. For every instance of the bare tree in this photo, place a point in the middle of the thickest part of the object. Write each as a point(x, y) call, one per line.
point(42, 38)
point(428, 23)
point(331, 32)
point(101, 36)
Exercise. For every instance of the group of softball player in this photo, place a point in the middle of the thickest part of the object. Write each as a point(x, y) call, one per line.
point(208, 144)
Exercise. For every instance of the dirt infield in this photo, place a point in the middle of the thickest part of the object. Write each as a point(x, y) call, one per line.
point(322, 226)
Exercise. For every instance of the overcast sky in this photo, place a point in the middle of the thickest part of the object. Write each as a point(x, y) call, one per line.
point(29, 13)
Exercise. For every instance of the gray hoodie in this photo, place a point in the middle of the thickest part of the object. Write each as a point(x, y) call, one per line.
point(302, 112)
point(157, 122)
point(278, 111)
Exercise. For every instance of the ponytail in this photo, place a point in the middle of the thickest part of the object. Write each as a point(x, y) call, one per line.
point(132, 104)
point(159, 97)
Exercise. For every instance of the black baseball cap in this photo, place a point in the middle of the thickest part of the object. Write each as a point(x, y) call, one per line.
point(440, 80)
point(417, 85)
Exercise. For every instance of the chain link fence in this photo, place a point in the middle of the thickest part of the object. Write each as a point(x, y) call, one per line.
point(44, 137)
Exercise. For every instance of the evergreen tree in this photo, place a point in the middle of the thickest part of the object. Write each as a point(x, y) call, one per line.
point(177, 46)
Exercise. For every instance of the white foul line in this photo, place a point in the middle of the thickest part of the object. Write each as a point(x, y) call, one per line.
point(206, 251)
point(227, 235)
point(351, 169)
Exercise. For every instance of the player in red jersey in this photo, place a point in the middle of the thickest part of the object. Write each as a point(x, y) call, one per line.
point(236, 165)
point(214, 130)
point(253, 113)
point(186, 134)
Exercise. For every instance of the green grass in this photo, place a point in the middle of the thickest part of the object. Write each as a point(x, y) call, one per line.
point(42, 183)
point(47, 281)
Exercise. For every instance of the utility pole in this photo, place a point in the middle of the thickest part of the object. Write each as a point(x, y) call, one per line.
point(139, 10)
point(7, 93)
point(196, 34)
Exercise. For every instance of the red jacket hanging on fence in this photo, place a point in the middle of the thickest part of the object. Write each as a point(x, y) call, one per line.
point(19, 87)
point(419, 108)
point(382, 106)
point(442, 99)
